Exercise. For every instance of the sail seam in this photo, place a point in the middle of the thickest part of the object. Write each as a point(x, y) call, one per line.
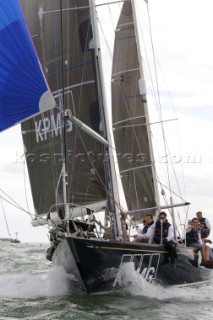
point(67, 9)
point(125, 71)
point(66, 89)
point(129, 119)
point(136, 168)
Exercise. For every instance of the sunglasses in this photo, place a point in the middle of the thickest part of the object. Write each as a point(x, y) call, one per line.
point(162, 218)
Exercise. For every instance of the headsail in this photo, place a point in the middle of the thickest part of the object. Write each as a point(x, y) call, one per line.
point(70, 72)
point(23, 88)
point(130, 117)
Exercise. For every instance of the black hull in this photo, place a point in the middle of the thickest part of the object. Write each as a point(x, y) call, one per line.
point(99, 263)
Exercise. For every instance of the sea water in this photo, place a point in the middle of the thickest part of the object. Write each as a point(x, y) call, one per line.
point(31, 288)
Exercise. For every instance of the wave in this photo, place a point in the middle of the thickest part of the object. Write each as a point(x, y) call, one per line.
point(136, 285)
point(25, 285)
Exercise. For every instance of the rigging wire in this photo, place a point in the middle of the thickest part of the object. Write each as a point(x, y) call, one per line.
point(165, 141)
point(25, 187)
point(149, 68)
point(161, 109)
point(15, 204)
point(158, 92)
point(154, 95)
point(8, 231)
point(99, 180)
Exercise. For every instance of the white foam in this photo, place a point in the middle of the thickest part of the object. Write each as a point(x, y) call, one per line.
point(57, 282)
point(136, 285)
point(26, 285)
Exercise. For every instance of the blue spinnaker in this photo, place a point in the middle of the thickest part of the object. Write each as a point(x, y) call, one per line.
point(23, 88)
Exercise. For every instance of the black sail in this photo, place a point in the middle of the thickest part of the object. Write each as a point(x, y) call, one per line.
point(130, 117)
point(67, 57)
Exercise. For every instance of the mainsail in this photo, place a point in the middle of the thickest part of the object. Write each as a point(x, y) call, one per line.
point(130, 120)
point(64, 42)
point(23, 88)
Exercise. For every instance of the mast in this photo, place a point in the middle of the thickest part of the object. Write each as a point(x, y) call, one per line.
point(111, 180)
point(142, 88)
point(64, 145)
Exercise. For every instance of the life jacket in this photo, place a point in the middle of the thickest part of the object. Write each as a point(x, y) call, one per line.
point(192, 237)
point(204, 232)
point(157, 234)
point(146, 227)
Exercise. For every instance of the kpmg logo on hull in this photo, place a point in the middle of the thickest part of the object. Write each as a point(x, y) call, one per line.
point(50, 126)
point(145, 264)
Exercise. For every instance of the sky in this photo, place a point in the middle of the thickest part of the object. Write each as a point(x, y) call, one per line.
point(183, 50)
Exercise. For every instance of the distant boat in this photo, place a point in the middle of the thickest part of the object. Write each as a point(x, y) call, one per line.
point(15, 240)
point(4, 241)
point(8, 240)
point(69, 148)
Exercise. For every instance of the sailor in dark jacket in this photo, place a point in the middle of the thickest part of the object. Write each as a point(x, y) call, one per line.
point(193, 239)
point(163, 234)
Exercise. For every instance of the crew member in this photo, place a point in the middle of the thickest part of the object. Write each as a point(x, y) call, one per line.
point(124, 226)
point(204, 225)
point(163, 234)
point(90, 220)
point(193, 239)
point(145, 234)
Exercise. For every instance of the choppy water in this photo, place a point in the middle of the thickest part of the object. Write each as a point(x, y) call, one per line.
point(30, 288)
